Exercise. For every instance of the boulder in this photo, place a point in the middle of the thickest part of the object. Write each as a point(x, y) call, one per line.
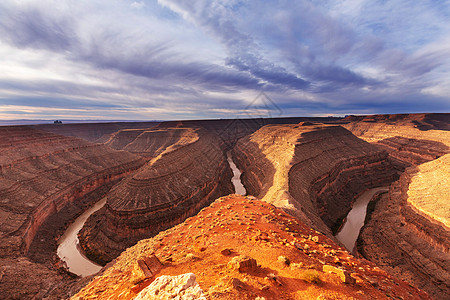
point(181, 287)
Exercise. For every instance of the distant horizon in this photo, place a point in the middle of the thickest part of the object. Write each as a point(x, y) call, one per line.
point(82, 121)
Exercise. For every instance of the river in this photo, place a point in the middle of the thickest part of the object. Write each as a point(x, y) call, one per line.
point(236, 180)
point(68, 245)
point(69, 248)
point(355, 218)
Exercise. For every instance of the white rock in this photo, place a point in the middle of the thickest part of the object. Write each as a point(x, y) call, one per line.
point(181, 287)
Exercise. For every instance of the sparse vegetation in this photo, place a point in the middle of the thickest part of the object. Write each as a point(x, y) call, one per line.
point(311, 276)
point(284, 260)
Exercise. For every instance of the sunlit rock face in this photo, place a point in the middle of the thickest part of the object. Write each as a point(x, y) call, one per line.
point(185, 177)
point(315, 171)
point(410, 139)
point(408, 232)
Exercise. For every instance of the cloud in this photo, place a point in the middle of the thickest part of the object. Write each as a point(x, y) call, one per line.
point(213, 57)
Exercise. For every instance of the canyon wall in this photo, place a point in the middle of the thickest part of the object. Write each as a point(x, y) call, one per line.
point(41, 174)
point(410, 139)
point(150, 142)
point(408, 234)
point(176, 184)
point(314, 171)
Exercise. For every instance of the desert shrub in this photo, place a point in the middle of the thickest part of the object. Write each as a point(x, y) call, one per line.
point(311, 276)
point(284, 260)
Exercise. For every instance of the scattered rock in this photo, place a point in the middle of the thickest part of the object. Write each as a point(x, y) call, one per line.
point(237, 284)
point(344, 275)
point(243, 263)
point(149, 265)
point(182, 287)
point(226, 252)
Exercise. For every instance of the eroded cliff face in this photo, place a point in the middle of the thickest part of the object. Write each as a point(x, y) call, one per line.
point(93, 132)
point(313, 171)
point(41, 174)
point(409, 139)
point(408, 232)
point(151, 142)
point(176, 184)
point(243, 248)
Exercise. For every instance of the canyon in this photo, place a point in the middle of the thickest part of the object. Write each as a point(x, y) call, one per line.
point(308, 173)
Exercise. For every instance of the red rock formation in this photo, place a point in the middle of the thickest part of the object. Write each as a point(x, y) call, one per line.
point(41, 173)
point(173, 186)
point(150, 142)
point(410, 139)
point(312, 171)
point(407, 234)
point(241, 248)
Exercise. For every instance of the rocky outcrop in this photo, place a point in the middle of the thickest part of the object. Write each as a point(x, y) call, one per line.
point(408, 233)
point(313, 171)
point(173, 186)
point(181, 287)
point(234, 248)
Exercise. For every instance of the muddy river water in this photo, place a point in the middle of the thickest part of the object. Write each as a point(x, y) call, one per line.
point(236, 180)
point(69, 248)
point(355, 219)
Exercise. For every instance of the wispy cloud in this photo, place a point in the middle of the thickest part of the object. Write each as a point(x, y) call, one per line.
point(210, 58)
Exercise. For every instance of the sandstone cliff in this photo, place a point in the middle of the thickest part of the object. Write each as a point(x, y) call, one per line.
point(408, 232)
point(314, 171)
point(176, 184)
point(241, 248)
point(151, 142)
point(41, 174)
point(410, 139)
point(93, 132)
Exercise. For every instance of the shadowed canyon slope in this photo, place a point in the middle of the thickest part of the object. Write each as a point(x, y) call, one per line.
point(314, 171)
point(241, 248)
point(43, 175)
point(189, 174)
point(408, 232)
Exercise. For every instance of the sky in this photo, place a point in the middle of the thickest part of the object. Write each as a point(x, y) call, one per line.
point(177, 59)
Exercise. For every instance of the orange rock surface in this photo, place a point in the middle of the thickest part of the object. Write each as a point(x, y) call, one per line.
point(289, 259)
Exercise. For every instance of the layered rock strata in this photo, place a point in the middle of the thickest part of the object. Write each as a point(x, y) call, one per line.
point(173, 186)
point(314, 171)
point(41, 174)
point(408, 233)
point(150, 142)
point(243, 248)
point(410, 139)
point(93, 132)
